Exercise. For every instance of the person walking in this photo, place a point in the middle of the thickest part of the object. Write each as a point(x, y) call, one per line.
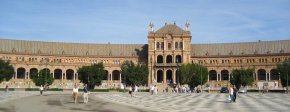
point(135, 90)
point(41, 89)
point(231, 91)
point(130, 91)
point(235, 90)
point(75, 93)
point(7, 88)
point(86, 94)
point(152, 90)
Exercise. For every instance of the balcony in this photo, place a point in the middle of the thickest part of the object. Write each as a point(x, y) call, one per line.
point(167, 64)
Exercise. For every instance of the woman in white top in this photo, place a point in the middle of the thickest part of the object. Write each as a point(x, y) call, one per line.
point(75, 93)
point(41, 89)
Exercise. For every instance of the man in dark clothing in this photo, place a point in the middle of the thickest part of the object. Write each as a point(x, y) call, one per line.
point(235, 94)
point(86, 94)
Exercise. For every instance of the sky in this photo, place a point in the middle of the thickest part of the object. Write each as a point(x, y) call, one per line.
point(127, 21)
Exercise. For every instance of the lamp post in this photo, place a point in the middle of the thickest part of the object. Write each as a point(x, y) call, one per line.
point(200, 79)
point(151, 70)
point(45, 62)
point(177, 72)
point(287, 73)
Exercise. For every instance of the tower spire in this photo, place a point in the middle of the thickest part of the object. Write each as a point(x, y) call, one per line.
point(151, 26)
point(187, 25)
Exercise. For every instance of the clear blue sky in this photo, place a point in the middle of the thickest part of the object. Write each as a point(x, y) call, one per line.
point(126, 21)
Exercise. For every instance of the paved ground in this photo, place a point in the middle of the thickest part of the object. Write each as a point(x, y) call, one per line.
point(170, 102)
point(122, 102)
point(59, 102)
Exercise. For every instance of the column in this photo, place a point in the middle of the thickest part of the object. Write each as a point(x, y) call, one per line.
point(174, 76)
point(269, 76)
point(77, 75)
point(164, 76)
point(207, 77)
point(74, 76)
point(120, 78)
point(217, 77)
point(266, 76)
point(256, 76)
point(15, 75)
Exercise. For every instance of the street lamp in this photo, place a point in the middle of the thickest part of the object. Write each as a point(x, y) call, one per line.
point(151, 70)
point(45, 62)
point(200, 79)
point(177, 72)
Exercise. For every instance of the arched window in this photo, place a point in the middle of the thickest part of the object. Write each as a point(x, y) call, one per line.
point(169, 46)
point(180, 45)
point(158, 45)
point(168, 59)
point(159, 59)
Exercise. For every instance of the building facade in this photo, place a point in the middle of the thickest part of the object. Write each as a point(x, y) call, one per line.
point(167, 48)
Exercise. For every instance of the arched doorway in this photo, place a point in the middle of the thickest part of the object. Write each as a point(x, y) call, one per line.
point(169, 78)
point(224, 75)
point(274, 74)
point(168, 59)
point(21, 73)
point(178, 59)
point(159, 76)
point(159, 59)
point(106, 75)
point(57, 74)
point(116, 75)
point(261, 74)
point(69, 74)
point(212, 75)
point(33, 72)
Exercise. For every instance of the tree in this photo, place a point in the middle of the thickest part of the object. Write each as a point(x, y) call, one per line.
point(43, 78)
point(193, 74)
point(242, 77)
point(6, 70)
point(284, 71)
point(134, 74)
point(92, 75)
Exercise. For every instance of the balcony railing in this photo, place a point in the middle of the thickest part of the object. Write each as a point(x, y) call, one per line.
point(168, 64)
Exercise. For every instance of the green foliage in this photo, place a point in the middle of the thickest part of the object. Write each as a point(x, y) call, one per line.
point(193, 74)
point(134, 74)
point(6, 70)
point(284, 70)
point(92, 75)
point(43, 78)
point(54, 89)
point(242, 77)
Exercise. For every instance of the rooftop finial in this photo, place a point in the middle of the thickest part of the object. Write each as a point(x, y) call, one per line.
point(174, 23)
point(151, 26)
point(165, 23)
point(187, 25)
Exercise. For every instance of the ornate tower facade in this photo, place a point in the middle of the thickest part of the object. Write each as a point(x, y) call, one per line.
point(168, 48)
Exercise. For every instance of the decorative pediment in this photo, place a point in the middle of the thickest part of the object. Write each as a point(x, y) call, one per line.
point(281, 51)
point(39, 51)
point(231, 53)
point(13, 50)
point(256, 52)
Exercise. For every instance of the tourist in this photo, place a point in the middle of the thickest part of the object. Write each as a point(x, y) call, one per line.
point(86, 94)
point(135, 90)
point(130, 91)
point(152, 90)
point(235, 90)
point(155, 89)
point(41, 89)
point(75, 93)
point(231, 91)
point(7, 88)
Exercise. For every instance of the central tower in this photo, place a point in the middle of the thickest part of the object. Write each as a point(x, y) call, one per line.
point(168, 48)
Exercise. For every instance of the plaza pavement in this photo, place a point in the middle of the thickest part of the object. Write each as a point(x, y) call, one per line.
point(205, 102)
point(58, 102)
